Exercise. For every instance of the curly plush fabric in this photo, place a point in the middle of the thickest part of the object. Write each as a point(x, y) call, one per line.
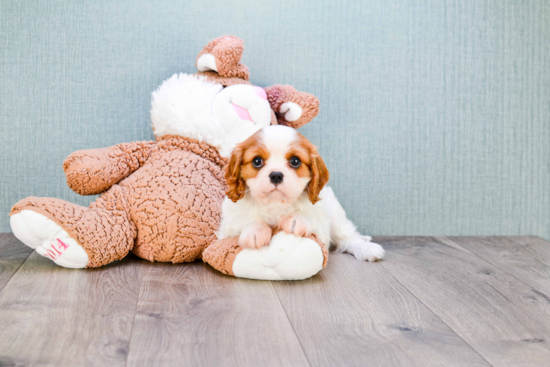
point(90, 172)
point(227, 51)
point(221, 254)
point(214, 77)
point(323, 248)
point(167, 210)
point(279, 94)
point(104, 230)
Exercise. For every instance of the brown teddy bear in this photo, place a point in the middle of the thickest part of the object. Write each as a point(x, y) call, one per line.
point(162, 199)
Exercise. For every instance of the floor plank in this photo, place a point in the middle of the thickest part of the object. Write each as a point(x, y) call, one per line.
point(433, 301)
point(192, 315)
point(62, 317)
point(354, 313)
point(506, 321)
point(526, 258)
point(12, 254)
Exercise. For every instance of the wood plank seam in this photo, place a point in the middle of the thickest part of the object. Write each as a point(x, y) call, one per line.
point(15, 272)
point(461, 288)
point(435, 314)
point(44, 299)
point(135, 312)
point(290, 322)
point(500, 268)
point(514, 239)
point(354, 313)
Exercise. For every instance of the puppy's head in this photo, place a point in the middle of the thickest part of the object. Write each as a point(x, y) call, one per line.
point(276, 164)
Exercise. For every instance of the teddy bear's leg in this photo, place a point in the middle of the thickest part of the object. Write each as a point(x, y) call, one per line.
point(48, 239)
point(288, 257)
point(74, 236)
point(223, 55)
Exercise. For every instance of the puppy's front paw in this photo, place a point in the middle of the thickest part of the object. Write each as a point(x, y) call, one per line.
point(255, 236)
point(295, 224)
point(368, 251)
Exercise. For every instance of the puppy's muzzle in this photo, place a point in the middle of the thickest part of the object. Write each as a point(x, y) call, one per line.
point(276, 178)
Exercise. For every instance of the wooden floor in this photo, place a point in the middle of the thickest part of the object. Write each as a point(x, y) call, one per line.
point(433, 301)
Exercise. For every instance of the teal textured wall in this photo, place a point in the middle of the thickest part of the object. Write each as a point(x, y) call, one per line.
point(435, 115)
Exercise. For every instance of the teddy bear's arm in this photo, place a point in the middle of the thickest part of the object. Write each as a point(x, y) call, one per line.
point(93, 171)
point(293, 108)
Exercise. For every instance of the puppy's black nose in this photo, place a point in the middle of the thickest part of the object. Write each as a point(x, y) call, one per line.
point(276, 177)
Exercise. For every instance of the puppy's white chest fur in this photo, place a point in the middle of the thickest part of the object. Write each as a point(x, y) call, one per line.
point(247, 211)
point(271, 212)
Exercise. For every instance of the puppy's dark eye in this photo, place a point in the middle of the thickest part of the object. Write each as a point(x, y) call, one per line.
point(257, 162)
point(295, 162)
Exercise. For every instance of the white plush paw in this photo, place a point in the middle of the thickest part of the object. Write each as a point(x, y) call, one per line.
point(48, 238)
point(291, 111)
point(286, 258)
point(364, 250)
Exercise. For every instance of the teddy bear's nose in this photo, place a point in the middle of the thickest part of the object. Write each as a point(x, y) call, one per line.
point(261, 92)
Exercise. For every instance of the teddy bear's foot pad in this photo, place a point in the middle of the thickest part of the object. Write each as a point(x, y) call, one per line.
point(48, 239)
point(287, 257)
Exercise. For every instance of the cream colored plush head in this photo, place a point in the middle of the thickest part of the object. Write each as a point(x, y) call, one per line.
point(220, 106)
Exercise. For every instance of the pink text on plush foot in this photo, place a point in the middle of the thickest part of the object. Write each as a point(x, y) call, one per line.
point(54, 252)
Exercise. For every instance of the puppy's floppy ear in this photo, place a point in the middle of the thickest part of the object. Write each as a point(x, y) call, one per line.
point(236, 186)
point(319, 176)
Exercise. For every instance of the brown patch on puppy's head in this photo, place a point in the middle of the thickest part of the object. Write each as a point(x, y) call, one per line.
point(313, 166)
point(276, 163)
point(240, 166)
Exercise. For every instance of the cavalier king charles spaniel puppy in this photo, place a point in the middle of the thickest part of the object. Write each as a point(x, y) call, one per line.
point(276, 180)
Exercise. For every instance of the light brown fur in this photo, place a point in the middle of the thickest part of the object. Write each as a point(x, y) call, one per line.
point(317, 168)
point(167, 210)
point(240, 166)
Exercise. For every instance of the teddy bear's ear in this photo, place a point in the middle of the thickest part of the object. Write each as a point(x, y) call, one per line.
point(293, 108)
point(223, 55)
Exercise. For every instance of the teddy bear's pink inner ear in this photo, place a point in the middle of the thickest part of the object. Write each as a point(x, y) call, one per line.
point(242, 112)
point(260, 92)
